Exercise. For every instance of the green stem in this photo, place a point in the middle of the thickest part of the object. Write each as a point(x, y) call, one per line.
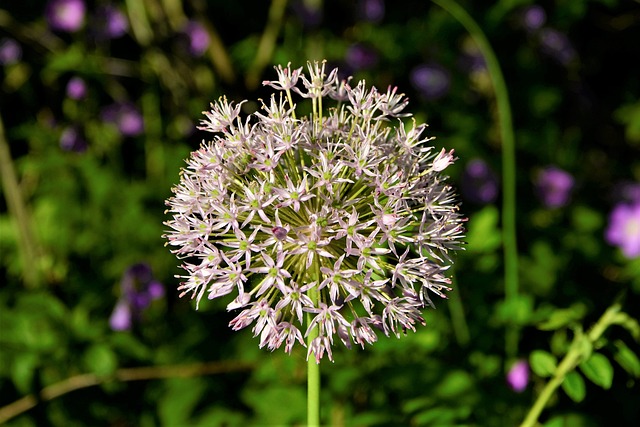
point(574, 356)
point(142, 373)
point(31, 261)
point(458, 319)
point(505, 124)
point(267, 43)
point(313, 388)
point(313, 367)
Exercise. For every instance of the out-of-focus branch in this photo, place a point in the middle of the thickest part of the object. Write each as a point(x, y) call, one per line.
point(31, 265)
point(125, 374)
point(267, 43)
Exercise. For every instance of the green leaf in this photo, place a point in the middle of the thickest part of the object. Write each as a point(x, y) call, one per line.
point(100, 360)
point(629, 116)
point(629, 323)
point(563, 317)
point(627, 359)
point(22, 371)
point(181, 396)
point(598, 369)
point(574, 386)
point(483, 234)
point(544, 364)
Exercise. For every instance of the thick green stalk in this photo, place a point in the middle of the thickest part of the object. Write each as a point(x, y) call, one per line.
point(505, 124)
point(570, 361)
point(313, 368)
point(313, 386)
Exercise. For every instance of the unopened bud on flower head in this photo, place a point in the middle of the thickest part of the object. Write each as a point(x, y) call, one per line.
point(342, 215)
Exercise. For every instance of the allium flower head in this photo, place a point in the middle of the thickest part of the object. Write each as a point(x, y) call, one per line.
point(339, 224)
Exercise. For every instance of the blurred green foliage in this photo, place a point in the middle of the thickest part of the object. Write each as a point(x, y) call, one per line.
point(93, 210)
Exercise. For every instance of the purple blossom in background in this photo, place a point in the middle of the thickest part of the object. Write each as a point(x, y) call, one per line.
point(518, 376)
point(431, 80)
point(71, 139)
point(109, 23)
point(139, 288)
point(533, 18)
point(10, 51)
point(479, 182)
point(554, 187)
point(76, 88)
point(557, 45)
point(624, 228)
point(65, 15)
point(371, 10)
point(125, 116)
point(629, 191)
point(361, 57)
point(197, 38)
point(472, 61)
point(309, 14)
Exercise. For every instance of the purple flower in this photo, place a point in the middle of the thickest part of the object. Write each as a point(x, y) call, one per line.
point(309, 14)
point(557, 45)
point(125, 116)
point(138, 289)
point(197, 38)
point(371, 10)
point(121, 319)
point(71, 139)
point(65, 15)
point(431, 80)
point(361, 57)
point(533, 18)
point(624, 228)
point(109, 23)
point(10, 51)
point(518, 376)
point(479, 182)
point(554, 187)
point(76, 88)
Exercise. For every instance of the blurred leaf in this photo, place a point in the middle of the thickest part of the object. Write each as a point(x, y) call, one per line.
point(598, 369)
point(627, 359)
point(22, 371)
point(518, 310)
point(268, 407)
point(586, 219)
point(574, 386)
point(629, 323)
point(128, 344)
point(563, 317)
point(435, 416)
point(483, 234)
point(544, 364)
point(454, 384)
point(629, 116)
point(544, 100)
point(220, 416)
point(571, 420)
point(179, 399)
point(100, 360)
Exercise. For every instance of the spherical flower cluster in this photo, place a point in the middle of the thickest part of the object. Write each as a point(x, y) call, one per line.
point(336, 224)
